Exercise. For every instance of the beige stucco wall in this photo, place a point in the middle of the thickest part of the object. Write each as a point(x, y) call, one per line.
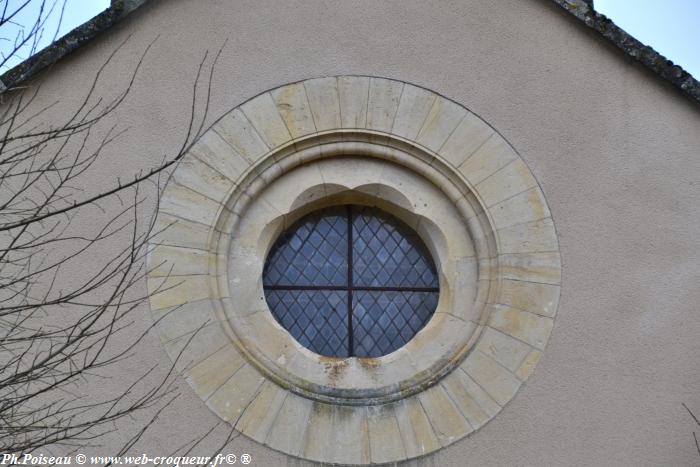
point(614, 148)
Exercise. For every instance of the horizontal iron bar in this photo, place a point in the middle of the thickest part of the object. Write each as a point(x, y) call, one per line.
point(345, 287)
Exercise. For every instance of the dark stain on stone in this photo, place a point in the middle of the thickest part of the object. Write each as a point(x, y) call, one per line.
point(335, 367)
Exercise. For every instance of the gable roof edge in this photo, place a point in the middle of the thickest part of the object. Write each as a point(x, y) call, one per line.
point(584, 11)
point(71, 41)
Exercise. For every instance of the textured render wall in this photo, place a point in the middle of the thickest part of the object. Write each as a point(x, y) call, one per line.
point(614, 148)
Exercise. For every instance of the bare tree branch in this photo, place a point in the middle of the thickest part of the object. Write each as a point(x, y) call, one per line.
point(58, 334)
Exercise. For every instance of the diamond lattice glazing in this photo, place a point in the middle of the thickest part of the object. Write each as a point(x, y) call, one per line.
point(351, 281)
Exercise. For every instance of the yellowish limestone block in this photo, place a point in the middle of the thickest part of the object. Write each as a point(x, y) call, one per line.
point(237, 131)
point(498, 382)
point(182, 320)
point(534, 267)
point(353, 92)
point(289, 429)
point(444, 333)
point(464, 289)
point(198, 176)
point(468, 206)
point(217, 153)
point(512, 179)
point(258, 419)
point(540, 299)
point(470, 135)
point(232, 399)
point(413, 109)
point(417, 434)
point(445, 418)
point(212, 372)
point(494, 154)
point(503, 348)
point(385, 440)
point(262, 113)
point(351, 173)
point(476, 392)
point(443, 118)
point(523, 325)
point(383, 102)
point(169, 230)
point(167, 292)
point(528, 365)
point(319, 432)
point(247, 287)
point(323, 99)
point(176, 261)
point(470, 408)
point(193, 347)
point(293, 106)
point(260, 329)
point(337, 434)
point(524, 207)
point(185, 203)
point(536, 236)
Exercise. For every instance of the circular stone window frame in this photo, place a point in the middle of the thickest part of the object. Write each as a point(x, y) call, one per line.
point(456, 373)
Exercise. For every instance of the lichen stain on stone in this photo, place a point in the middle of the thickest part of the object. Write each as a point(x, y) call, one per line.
point(343, 413)
point(535, 203)
point(334, 366)
point(370, 365)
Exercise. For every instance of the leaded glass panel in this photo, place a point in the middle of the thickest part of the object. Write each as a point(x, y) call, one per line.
point(351, 281)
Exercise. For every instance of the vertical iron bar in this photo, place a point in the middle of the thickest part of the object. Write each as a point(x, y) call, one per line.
point(351, 344)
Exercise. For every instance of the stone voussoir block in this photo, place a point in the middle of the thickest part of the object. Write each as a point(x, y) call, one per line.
point(385, 440)
point(491, 156)
point(412, 111)
point(293, 106)
point(384, 96)
point(200, 177)
point(258, 419)
point(524, 207)
point(172, 231)
point(540, 299)
point(508, 181)
point(187, 204)
point(531, 237)
point(353, 92)
point(443, 118)
point(324, 101)
point(528, 327)
point(262, 113)
point(241, 135)
point(466, 139)
point(495, 379)
point(447, 420)
point(233, 398)
point(214, 151)
point(417, 434)
point(213, 371)
point(338, 434)
point(164, 260)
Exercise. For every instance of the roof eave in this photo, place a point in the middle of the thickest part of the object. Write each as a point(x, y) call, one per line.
point(583, 11)
point(82, 34)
